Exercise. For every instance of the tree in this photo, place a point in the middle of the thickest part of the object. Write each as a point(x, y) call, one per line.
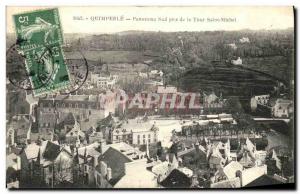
point(63, 171)
point(234, 105)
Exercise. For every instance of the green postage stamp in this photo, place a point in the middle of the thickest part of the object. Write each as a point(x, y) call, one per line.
point(39, 36)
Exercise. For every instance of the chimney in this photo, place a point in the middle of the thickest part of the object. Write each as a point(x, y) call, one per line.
point(102, 145)
point(109, 174)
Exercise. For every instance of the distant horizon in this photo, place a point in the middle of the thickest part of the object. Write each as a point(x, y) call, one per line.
point(149, 31)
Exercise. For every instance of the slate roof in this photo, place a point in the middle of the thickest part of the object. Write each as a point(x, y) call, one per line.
point(176, 179)
point(263, 181)
point(108, 121)
point(231, 169)
point(51, 151)
point(116, 161)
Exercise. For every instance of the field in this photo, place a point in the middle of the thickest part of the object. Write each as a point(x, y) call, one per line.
point(277, 66)
point(110, 56)
point(229, 79)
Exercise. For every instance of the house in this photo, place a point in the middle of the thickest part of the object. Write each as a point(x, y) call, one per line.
point(75, 134)
point(102, 176)
point(14, 161)
point(195, 156)
point(30, 174)
point(210, 99)
point(262, 99)
point(274, 164)
point(229, 171)
point(56, 163)
point(45, 163)
point(155, 73)
point(86, 161)
point(163, 169)
point(233, 175)
point(95, 136)
point(143, 75)
point(166, 90)
point(32, 101)
point(227, 176)
point(251, 174)
point(65, 123)
point(218, 153)
point(63, 168)
point(250, 156)
point(136, 132)
point(282, 108)
point(115, 160)
point(106, 82)
point(244, 40)
point(237, 61)
point(176, 179)
point(18, 129)
point(111, 164)
point(13, 167)
point(142, 179)
point(83, 107)
point(215, 159)
point(233, 46)
point(262, 181)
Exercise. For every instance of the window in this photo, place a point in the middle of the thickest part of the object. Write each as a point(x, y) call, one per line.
point(63, 105)
point(70, 105)
point(149, 136)
point(90, 112)
point(76, 105)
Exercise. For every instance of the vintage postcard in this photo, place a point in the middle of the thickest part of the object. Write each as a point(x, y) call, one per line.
point(150, 97)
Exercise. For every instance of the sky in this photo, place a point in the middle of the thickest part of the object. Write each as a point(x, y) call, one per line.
point(254, 18)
